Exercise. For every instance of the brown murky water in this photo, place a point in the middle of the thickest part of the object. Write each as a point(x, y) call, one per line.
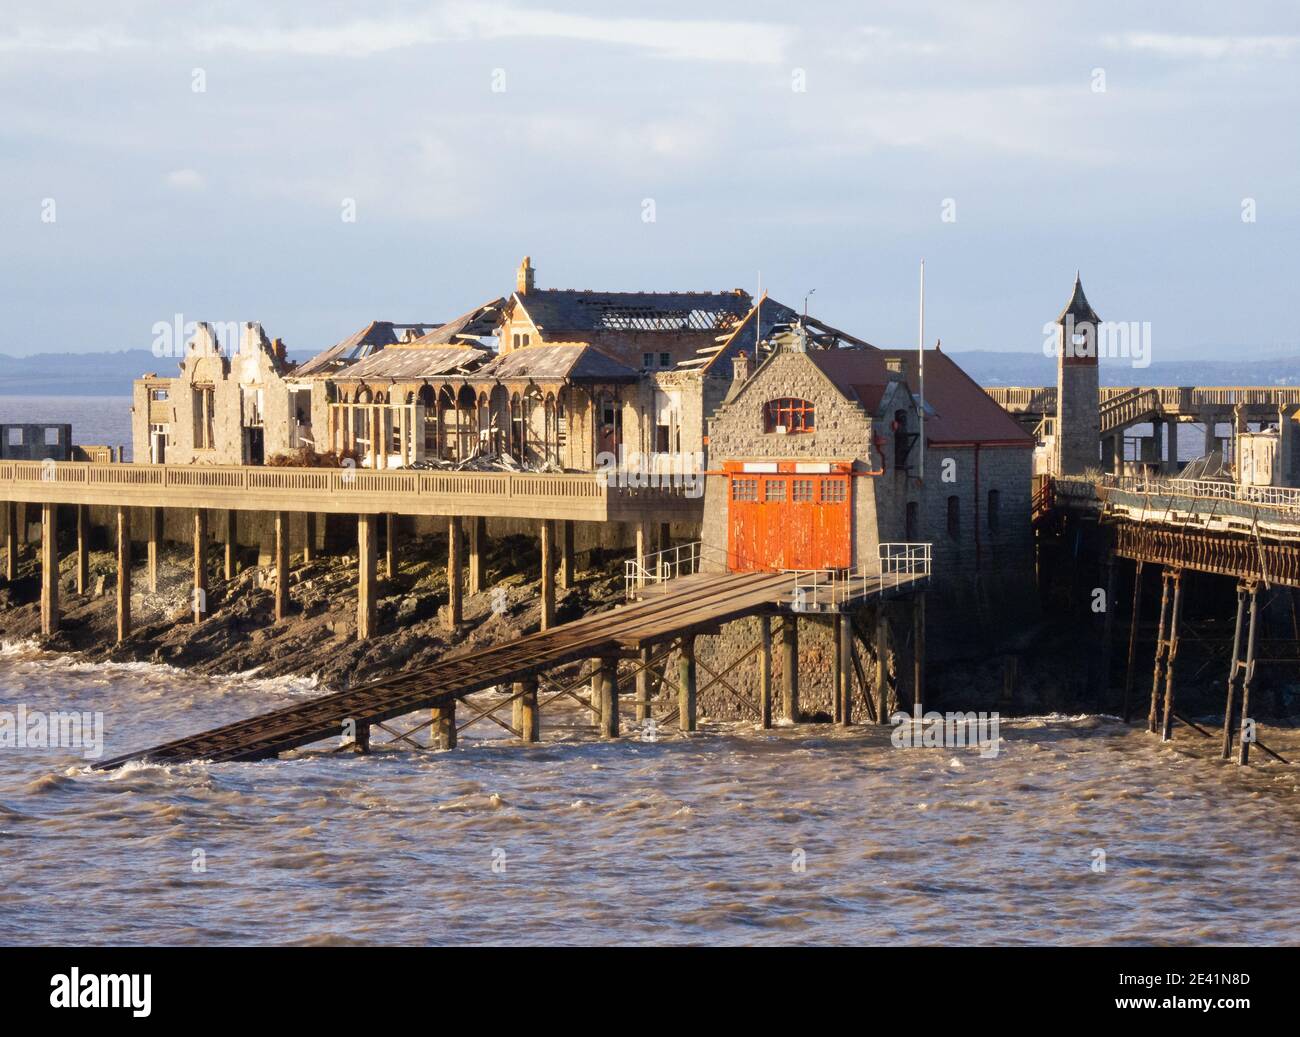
point(677, 840)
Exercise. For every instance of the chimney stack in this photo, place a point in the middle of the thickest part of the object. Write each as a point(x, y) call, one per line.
point(524, 277)
point(740, 366)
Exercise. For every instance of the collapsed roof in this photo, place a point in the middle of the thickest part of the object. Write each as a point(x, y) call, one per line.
point(556, 311)
point(374, 336)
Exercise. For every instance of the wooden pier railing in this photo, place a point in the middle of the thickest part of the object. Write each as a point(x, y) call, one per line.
point(577, 496)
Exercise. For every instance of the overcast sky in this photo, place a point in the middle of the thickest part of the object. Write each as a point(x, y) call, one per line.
point(822, 144)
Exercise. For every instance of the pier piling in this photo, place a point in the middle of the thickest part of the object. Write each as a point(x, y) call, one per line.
point(686, 684)
point(83, 547)
point(49, 569)
point(366, 611)
point(200, 564)
point(154, 546)
point(764, 672)
point(790, 668)
point(455, 614)
point(123, 573)
point(281, 565)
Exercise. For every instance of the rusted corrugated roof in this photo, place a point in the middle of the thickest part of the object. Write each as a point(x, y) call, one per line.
point(558, 363)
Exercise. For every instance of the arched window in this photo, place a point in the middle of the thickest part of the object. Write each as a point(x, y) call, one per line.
point(790, 415)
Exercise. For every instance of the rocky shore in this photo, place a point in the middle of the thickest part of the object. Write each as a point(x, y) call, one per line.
point(318, 638)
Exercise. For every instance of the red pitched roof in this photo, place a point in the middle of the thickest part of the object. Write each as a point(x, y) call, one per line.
point(959, 411)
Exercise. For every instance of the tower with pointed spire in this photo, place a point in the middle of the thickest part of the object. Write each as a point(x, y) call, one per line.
point(1077, 442)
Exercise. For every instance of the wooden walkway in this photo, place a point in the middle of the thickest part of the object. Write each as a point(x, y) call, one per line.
point(682, 607)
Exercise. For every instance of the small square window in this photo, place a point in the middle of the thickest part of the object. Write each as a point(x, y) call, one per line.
point(744, 489)
point(774, 490)
point(158, 395)
point(51, 436)
point(803, 491)
point(647, 360)
point(15, 437)
point(665, 360)
point(833, 491)
point(516, 339)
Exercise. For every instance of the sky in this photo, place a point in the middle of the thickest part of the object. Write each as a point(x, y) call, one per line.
point(315, 167)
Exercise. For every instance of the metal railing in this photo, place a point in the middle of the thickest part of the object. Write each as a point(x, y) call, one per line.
point(1284, 498)
point(897, 564)
point(662, 566)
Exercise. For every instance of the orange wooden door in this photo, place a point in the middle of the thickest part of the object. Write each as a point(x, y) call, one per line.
point(788, 520)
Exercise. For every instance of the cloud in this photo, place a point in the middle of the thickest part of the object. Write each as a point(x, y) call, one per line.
point(684, 39)
point(185, 179)
point(1208, 48)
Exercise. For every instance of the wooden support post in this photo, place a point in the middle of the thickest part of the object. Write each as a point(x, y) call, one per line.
point(477, 544)
point(361, 740)
point(1234, 672)
point(1108, 628)
point(281, 565)
point(309, 538)
point(200, 595)
point(548, 576)
point(153, 547)
point(123, 573)
point(1245, 728)
point(390, 545)
point(455, 576)
point(230, 560)
point(642, 538)
point(49, 569)
point(442, 732)
point(765, 672)
point(594, 693)
point(83, 547)
point(1158, 670)
point(790, 668)
point(366, 610)
point(643, 687)
point(1167, 724)
point(609, 698)
point(566, 553)
point(844, 652)
point(918, 652)
point(837, 664)
point(1132, 641)
point(11, 540)
point(686, 684)
point(526, 717)
point(882, 666)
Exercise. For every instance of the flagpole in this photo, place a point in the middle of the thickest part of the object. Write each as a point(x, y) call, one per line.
point(920, 349)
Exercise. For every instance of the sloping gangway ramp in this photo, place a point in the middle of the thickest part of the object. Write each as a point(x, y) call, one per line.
point(677, 608)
